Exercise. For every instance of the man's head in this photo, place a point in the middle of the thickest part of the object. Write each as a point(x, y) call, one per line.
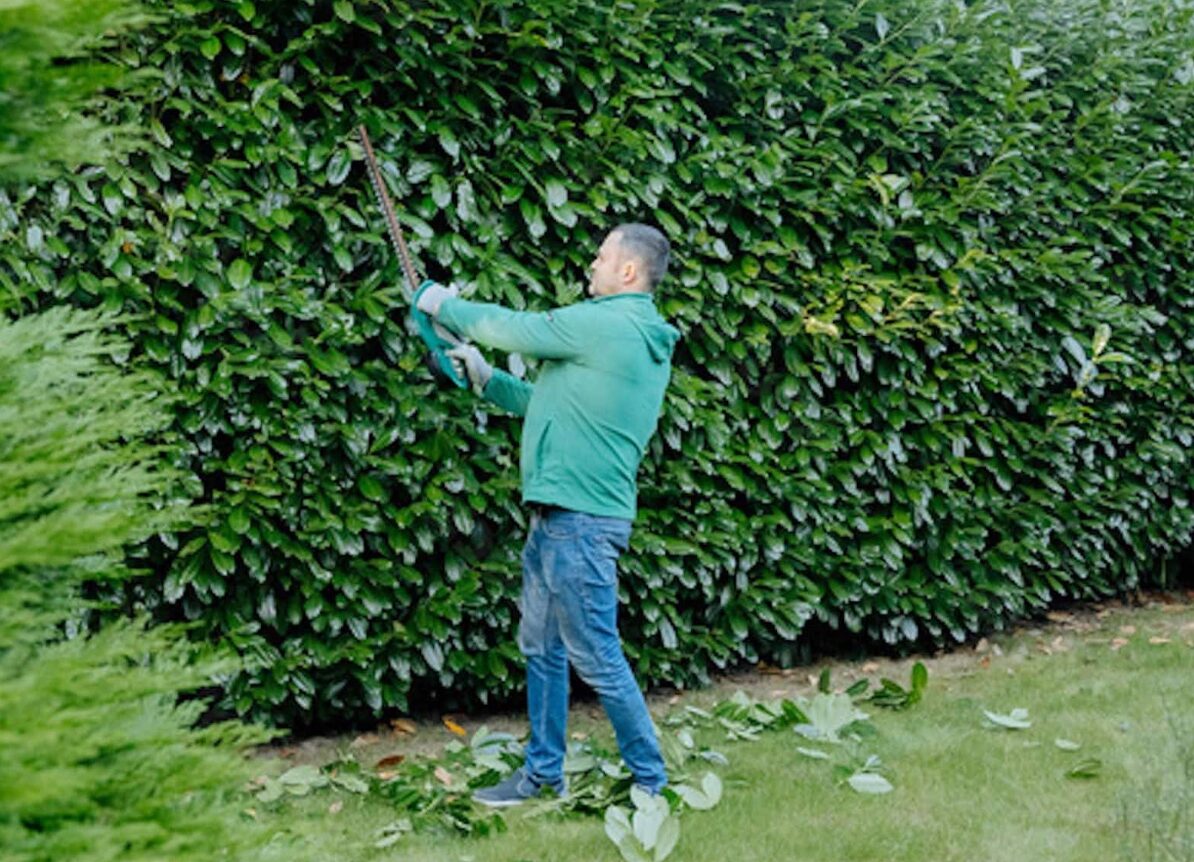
point(632, 259)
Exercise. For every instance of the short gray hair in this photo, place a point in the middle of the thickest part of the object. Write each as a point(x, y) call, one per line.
point(649, 246)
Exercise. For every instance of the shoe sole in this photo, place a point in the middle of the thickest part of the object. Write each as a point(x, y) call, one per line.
point(510, 803)
point(494, 803)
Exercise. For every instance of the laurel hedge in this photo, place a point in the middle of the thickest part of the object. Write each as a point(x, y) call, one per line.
point(932, 267)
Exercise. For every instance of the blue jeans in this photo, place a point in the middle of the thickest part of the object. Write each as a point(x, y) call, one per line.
point(569, 610)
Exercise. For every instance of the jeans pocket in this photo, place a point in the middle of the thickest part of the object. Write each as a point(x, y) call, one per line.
point(559, 525)
point(599, 554)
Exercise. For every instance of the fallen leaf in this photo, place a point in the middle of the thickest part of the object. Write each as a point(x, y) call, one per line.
point(870, 667)
point(1088, 768)
point(251, 812)
point(996, 649)
point(364, 739)
point(1116, 643)
point(983, 645)
point(443, 776)
point(580, 736)
point(386, 775)
point(335, 807)
point(1127, 630)
point(454, 727)
point(404, 726)
point(1158, 640)
point(1059, 616)
point(389, 760)
point(985, 661)
point(673, 700)
point(1059, 644)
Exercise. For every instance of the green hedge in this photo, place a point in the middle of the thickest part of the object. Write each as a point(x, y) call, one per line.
point(932, 269)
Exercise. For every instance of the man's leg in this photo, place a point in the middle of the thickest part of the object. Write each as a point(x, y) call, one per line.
point(585, 578)
point(547, 666)
point(547, 684)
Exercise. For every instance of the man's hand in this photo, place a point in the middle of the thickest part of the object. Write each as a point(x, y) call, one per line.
point(479, 371)
point(433, 297)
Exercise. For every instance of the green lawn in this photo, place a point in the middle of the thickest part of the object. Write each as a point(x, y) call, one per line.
point(1111, 681)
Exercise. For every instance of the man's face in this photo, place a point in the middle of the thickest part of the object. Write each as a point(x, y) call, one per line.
point(607, 271)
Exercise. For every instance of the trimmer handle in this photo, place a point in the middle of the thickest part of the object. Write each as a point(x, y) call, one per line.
point(438, 340)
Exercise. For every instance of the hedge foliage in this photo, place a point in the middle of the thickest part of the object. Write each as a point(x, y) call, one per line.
point(932, 269)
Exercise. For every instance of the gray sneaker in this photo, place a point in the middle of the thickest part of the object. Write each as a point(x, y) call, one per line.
point(515, 788)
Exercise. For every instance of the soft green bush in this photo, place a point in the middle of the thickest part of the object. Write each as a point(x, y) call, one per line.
point(102, 759)
point(72, 493)
point(932, 269)
point(51, 70)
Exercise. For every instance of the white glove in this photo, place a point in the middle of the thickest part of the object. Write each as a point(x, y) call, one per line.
point(468, 360)
point(433, 297)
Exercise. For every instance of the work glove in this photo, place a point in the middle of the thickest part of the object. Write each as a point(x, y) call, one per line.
point(433, 297)
point(478, 370)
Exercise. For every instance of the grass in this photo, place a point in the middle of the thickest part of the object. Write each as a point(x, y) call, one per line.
point(1112, 680)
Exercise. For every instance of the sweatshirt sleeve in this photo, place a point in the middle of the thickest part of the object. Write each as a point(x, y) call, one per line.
point(508, 392)
point(555, 334)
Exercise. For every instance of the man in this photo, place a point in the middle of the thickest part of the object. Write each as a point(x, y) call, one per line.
point(589, 416)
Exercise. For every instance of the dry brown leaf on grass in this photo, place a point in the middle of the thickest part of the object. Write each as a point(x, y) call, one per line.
point(1155, 640)
point(443, 776)
point(335, 807)
point(403, 726)
point(453, 727)
point(1127, 630)
point(386, 762)
point(1116, 643)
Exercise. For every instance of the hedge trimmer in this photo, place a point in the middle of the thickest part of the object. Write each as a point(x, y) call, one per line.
point(437, 339)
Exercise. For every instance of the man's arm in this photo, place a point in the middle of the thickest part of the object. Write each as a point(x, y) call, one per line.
point(543, 335)
point(508, 392)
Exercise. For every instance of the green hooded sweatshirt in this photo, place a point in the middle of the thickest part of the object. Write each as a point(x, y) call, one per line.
point(595, 402)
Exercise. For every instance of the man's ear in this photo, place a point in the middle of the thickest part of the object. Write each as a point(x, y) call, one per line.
point(629, 271)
